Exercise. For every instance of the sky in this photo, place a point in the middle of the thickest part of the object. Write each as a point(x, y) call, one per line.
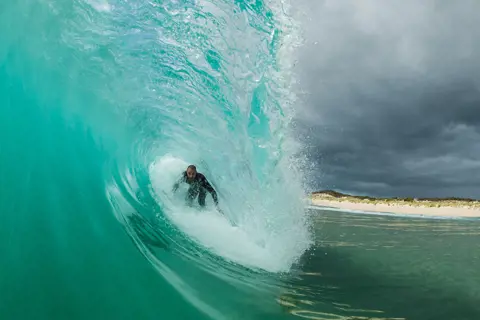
point(389, 96)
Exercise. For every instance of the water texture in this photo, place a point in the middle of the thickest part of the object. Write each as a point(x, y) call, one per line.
point(103, 104)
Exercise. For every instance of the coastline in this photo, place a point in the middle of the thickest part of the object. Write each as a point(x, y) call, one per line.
point(439, 208)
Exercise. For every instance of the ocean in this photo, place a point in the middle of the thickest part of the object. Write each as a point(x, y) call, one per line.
point(105, 103)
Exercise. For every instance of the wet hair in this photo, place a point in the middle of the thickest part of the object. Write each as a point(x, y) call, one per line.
point(192, 167)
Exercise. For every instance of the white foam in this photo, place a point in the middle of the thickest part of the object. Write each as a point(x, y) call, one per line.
point(380, 213)
point(99, 5)
point(245, 244)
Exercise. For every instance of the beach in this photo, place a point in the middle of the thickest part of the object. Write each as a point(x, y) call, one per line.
point(441, 208)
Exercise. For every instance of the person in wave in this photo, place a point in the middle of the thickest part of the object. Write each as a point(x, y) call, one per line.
point(199, 186)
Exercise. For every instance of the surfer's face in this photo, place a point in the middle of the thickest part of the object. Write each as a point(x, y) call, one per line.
point(191, 174)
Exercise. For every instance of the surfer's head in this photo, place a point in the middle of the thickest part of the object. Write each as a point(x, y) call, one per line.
point(191, 172)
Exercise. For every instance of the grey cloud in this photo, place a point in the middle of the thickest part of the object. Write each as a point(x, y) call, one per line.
point(393, 96)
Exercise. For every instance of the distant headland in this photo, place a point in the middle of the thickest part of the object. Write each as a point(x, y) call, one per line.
point(451, 206)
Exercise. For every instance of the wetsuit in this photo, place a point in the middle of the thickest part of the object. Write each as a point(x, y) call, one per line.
point(198, 187)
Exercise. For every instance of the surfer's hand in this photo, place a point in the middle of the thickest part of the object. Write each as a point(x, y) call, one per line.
point(175, 188)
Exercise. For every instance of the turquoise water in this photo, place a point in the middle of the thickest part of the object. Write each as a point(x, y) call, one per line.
point(103, 103)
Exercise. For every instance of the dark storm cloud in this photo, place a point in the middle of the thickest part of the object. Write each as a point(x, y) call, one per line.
point(392, 96)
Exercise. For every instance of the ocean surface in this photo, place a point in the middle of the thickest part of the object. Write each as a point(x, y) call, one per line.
point(104, 103)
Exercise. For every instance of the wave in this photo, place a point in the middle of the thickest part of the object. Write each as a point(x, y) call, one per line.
point(124, 94)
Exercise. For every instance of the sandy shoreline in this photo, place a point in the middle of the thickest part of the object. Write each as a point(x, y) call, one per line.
point(443, 211)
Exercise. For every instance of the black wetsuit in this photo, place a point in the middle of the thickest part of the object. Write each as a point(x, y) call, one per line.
point(198, 187)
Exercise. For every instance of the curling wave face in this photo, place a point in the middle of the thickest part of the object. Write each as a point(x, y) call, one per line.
point(105, 103)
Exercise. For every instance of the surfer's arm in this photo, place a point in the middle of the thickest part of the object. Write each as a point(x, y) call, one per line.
point(177, 184)
point(210, 189)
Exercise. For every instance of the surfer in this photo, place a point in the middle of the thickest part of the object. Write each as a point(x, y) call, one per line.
point(199, 186)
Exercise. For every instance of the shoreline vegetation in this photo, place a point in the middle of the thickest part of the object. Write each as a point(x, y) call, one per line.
point(454, 207)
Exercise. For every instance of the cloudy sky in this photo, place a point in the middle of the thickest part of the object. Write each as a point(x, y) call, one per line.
point(392, 96)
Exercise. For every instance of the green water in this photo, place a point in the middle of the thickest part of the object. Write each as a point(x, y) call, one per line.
point(385, 267)
point(102, 105)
